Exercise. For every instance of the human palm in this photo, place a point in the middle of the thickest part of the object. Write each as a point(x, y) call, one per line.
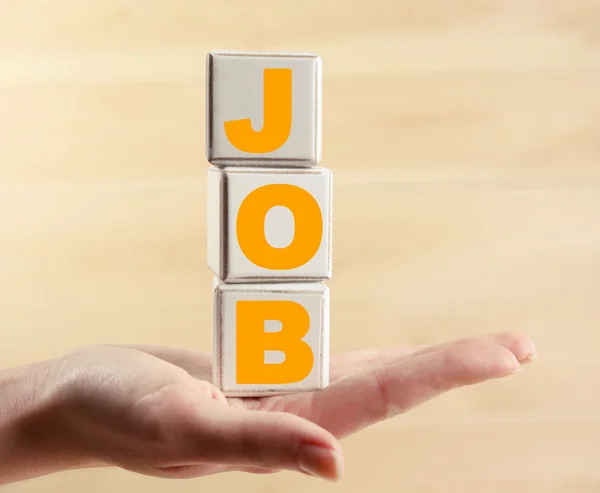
point(154, 410)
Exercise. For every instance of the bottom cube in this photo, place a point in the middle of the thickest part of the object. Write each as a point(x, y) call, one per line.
point(270, 338)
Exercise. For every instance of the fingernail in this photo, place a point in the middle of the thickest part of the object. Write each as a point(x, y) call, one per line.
point(518, 369)
point(532, 356)
point(320, 461)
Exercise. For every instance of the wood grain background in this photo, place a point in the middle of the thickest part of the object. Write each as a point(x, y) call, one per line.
point(464, 137)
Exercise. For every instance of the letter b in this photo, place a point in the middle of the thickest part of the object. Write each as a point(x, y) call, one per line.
point(243, 340)
point(253, 341)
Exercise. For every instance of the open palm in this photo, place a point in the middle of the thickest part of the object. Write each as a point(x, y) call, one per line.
point(154, 410)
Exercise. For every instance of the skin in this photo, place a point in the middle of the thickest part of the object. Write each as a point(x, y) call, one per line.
point(154, 411)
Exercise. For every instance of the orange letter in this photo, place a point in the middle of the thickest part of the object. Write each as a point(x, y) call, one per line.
point(253, 341)
point(277, 122)
point(308, 227)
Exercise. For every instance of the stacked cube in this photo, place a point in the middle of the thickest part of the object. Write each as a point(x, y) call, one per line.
point(269, 223)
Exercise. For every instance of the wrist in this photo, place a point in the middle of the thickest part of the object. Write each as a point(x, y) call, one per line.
point(34, 438)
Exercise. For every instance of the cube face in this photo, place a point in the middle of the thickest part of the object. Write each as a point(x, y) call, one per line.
point(270, 339)
point(263, 109)
point(269, 225)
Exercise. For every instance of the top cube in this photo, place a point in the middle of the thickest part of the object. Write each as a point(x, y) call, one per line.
point(263, 109)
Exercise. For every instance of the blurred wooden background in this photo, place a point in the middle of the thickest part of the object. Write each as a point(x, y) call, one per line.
point(464, 137)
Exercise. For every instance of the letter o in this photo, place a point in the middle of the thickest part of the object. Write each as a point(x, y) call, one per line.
point(308, 227)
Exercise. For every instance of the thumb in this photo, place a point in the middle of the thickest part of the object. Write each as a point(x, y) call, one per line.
point(274, 440)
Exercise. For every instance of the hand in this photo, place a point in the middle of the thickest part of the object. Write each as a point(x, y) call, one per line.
point(153, 410)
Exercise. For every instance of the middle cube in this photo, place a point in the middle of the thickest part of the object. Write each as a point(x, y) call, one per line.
point(269, 224)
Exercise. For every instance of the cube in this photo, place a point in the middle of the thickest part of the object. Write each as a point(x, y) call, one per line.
point(269, 224)
point(263, 109)
point(270, 338)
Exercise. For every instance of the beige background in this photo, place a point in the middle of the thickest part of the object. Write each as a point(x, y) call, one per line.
point(467, 201)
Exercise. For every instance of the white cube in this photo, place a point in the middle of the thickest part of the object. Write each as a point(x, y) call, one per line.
point(270, 339)
point(269, 224)
point(263, 109)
